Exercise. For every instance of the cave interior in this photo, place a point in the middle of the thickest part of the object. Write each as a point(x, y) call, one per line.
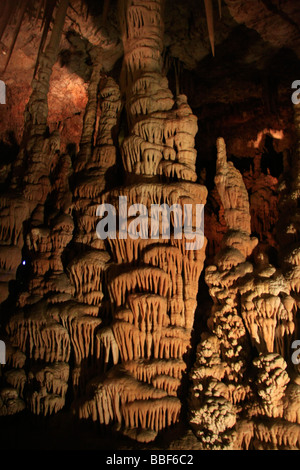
point(140, 342)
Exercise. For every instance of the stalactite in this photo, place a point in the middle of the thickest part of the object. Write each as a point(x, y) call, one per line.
point(278, 434)
point(17, 379)
point(35, 332)
point(210, 23)
point(49, 387)
point(106, 346)
point(87, 274)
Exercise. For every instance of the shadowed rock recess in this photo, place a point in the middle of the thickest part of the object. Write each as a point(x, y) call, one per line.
point(150, 102)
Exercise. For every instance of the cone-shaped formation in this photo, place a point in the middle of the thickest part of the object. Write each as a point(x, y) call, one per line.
point(255, 302)
point(231, 266)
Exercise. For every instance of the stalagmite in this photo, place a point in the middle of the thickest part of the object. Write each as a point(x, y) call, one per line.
point(268, 310)
point(152, 284)
point(30, 182)
point(227, 351)
point(249, 299)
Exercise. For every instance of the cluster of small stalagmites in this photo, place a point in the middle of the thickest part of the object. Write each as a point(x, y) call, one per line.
point(212, 413)
point(270, 302)
point(153, 283)
point(266, 307)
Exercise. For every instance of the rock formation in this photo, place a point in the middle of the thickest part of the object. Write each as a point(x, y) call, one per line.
point(104, 290)
point(152, 283)
point(253, 300)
